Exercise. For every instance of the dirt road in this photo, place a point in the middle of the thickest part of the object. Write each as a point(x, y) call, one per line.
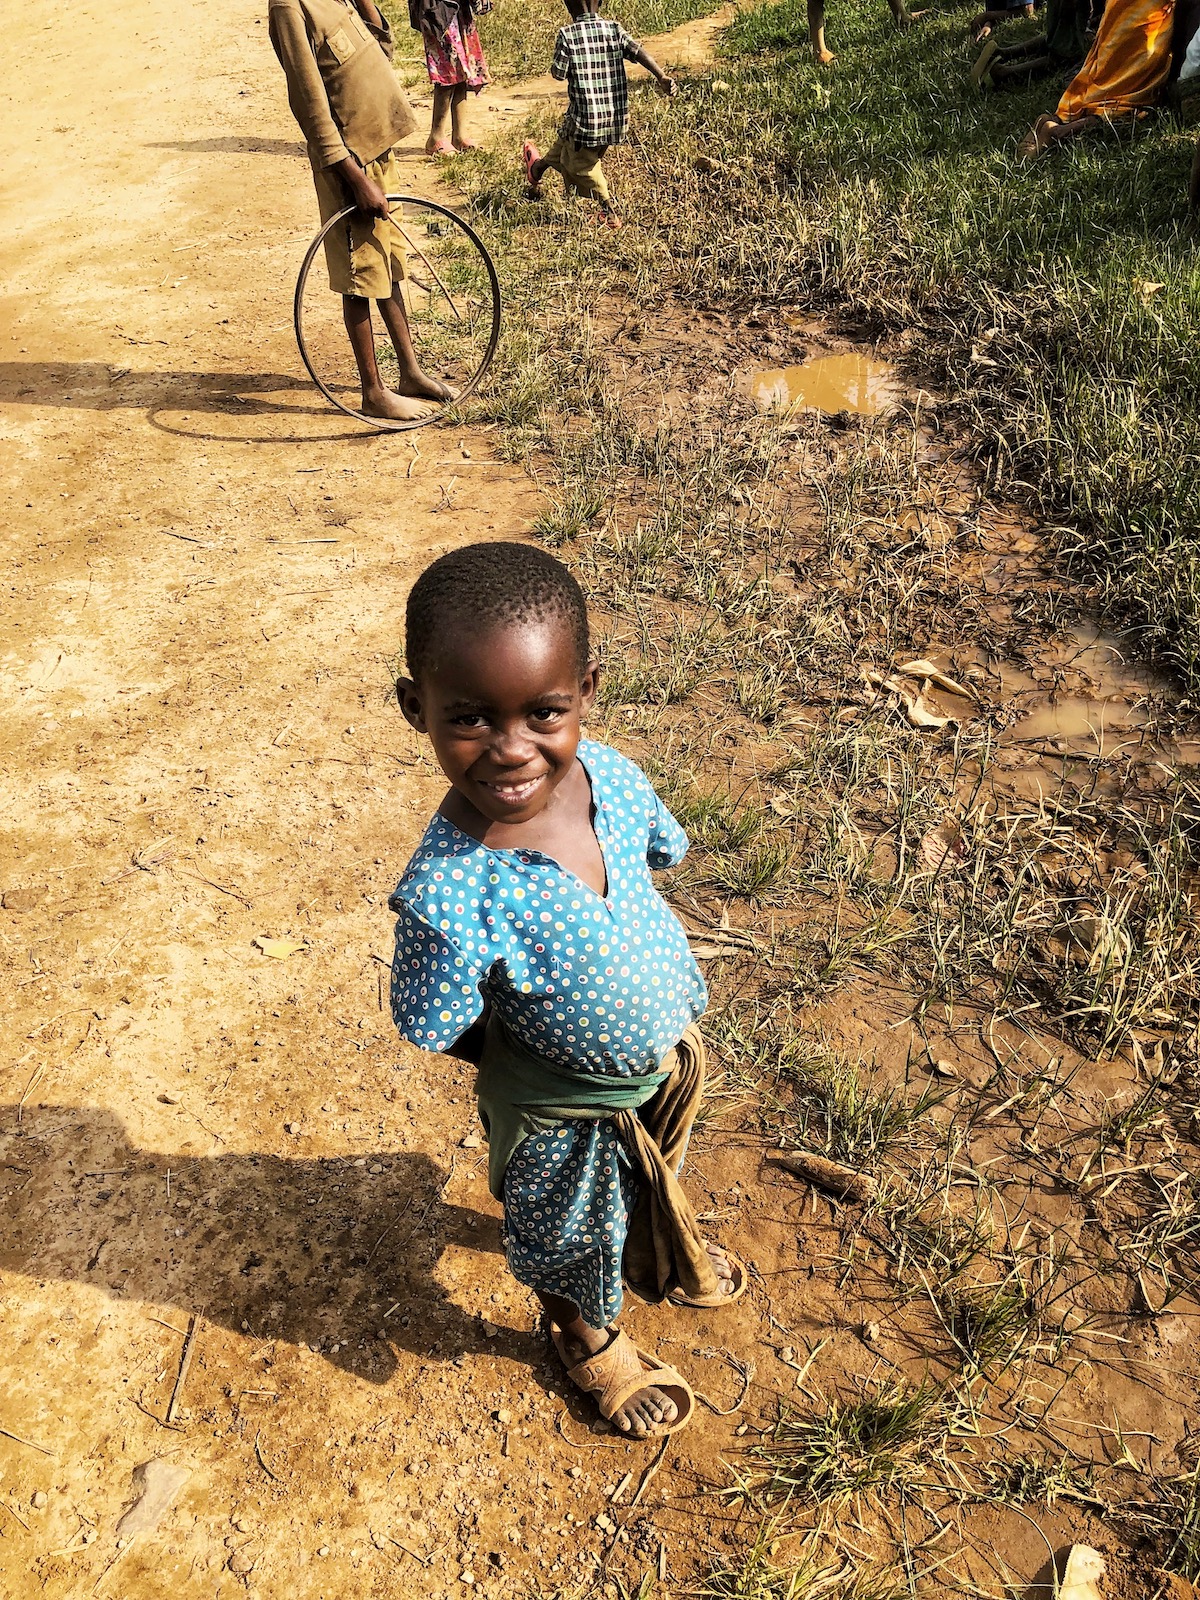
point(202, 751)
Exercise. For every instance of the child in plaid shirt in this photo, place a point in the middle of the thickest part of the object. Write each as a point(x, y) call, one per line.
point(590, 55)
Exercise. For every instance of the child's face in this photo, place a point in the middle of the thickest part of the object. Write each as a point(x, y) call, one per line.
point(503, 712)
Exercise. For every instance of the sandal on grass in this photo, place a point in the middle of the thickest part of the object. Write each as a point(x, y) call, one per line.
point(980, 75)
point(619, 1372)
point(529, 154)
point(1044, 133)
point(718, 1298)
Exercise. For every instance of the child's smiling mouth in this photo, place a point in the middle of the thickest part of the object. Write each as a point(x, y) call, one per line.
point(513, 794)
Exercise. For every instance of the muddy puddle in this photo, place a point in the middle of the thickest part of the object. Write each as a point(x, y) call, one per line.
point(1097, 699)
point(851, 382)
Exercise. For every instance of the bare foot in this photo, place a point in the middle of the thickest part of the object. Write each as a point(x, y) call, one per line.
point(722, 1267)
point(438, 147)
point(418, 385)
point(645, 1411)
point(826, 58)
point(395, 407)
point(465, 144)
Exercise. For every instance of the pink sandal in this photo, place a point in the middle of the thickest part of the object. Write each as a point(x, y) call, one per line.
point(529, 154)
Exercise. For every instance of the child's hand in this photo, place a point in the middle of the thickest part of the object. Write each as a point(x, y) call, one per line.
point(667, 87)
point(362, 191)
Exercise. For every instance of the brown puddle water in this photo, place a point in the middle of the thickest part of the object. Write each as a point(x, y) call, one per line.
point(1103, 699)
point(848, 382)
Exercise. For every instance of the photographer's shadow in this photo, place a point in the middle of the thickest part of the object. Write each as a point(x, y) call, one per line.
point(318, 1251)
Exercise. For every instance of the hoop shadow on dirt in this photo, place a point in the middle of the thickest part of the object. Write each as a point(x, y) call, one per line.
point(304, 1250)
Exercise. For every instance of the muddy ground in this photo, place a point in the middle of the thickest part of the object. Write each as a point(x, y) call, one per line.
point(202, 751)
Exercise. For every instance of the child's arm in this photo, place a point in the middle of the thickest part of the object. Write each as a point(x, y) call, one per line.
point(378, 24)
point(643, 58)
point(360, 190)
point(306, 91)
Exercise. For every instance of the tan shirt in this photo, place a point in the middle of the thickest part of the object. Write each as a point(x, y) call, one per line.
point(341, 86)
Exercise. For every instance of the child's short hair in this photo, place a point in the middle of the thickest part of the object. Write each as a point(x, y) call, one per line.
point(488, 585)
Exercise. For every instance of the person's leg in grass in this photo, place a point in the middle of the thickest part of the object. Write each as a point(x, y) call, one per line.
point(413, 382)
point(816, 32)
point(377, 399)
point(460, 130)
point(439, 140)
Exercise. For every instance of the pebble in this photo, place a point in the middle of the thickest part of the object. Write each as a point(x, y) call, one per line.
point(40, 1498)
point(376, 1167)
point(574, 1472)
point(468, 1577)
point(605, 1524)
point(324, 1550)
point(471, 1142)
point(490, 1330)
point(291, 1127)
point(240, 1564)
point(503, 1417)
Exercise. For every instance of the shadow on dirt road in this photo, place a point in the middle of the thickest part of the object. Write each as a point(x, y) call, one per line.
point(316, 1251)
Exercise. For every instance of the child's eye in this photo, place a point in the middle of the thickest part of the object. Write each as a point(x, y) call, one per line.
point(468, 719)
point(547, 714)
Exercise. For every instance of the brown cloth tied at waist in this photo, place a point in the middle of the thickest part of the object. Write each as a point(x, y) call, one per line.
point(521, 1093)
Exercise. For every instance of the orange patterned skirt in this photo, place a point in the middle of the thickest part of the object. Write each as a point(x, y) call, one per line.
point(1129, 62)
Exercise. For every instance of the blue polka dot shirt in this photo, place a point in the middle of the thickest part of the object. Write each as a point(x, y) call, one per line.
point(601, 983)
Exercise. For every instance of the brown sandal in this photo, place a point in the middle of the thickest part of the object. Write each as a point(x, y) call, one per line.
point(703, 1302)
point(618, 1372)
point(1040, 136)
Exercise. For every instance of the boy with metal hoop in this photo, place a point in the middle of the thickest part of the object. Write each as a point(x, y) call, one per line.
point(336, 55)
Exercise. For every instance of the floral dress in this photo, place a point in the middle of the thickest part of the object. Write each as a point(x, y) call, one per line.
point(600, 983)
point(455, 58)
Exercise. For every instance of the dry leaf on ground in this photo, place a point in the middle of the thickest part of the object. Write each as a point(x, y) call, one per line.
point(930, 672)
point(279, 948)
point(1080, 1579)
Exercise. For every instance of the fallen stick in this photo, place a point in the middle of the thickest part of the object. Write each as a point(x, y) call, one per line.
point(650, 1471)
point(16, 1437)
point(185, 1361)
point(846, 1183)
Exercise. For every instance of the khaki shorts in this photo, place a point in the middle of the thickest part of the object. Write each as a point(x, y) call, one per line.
point(365, 255)
point(580, 167)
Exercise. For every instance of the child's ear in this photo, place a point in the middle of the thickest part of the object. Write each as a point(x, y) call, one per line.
point(409, 699)
point(589, 683)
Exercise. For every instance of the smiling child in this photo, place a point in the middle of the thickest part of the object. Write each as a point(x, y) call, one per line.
point(532, 942)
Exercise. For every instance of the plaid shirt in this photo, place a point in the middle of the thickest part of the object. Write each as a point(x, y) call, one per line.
point(590, 54)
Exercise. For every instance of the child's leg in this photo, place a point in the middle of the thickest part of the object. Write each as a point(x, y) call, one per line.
point(816, 32)
point(582, 171)
point(460, 96)
point(438, 142)
point(413, 381)
point(643, 1411)
point(377, 401)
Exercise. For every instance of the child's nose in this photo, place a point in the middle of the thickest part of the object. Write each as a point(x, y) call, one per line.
point(513, 748)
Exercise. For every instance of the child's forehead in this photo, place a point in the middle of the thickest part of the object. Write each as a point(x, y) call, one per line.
point(505, 654)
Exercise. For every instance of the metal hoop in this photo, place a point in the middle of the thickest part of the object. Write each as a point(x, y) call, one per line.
point(387, 424)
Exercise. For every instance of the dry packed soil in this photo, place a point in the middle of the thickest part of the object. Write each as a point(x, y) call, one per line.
point(205, 573)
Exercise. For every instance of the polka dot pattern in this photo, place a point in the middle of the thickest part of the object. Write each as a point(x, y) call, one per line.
point(600, 983)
